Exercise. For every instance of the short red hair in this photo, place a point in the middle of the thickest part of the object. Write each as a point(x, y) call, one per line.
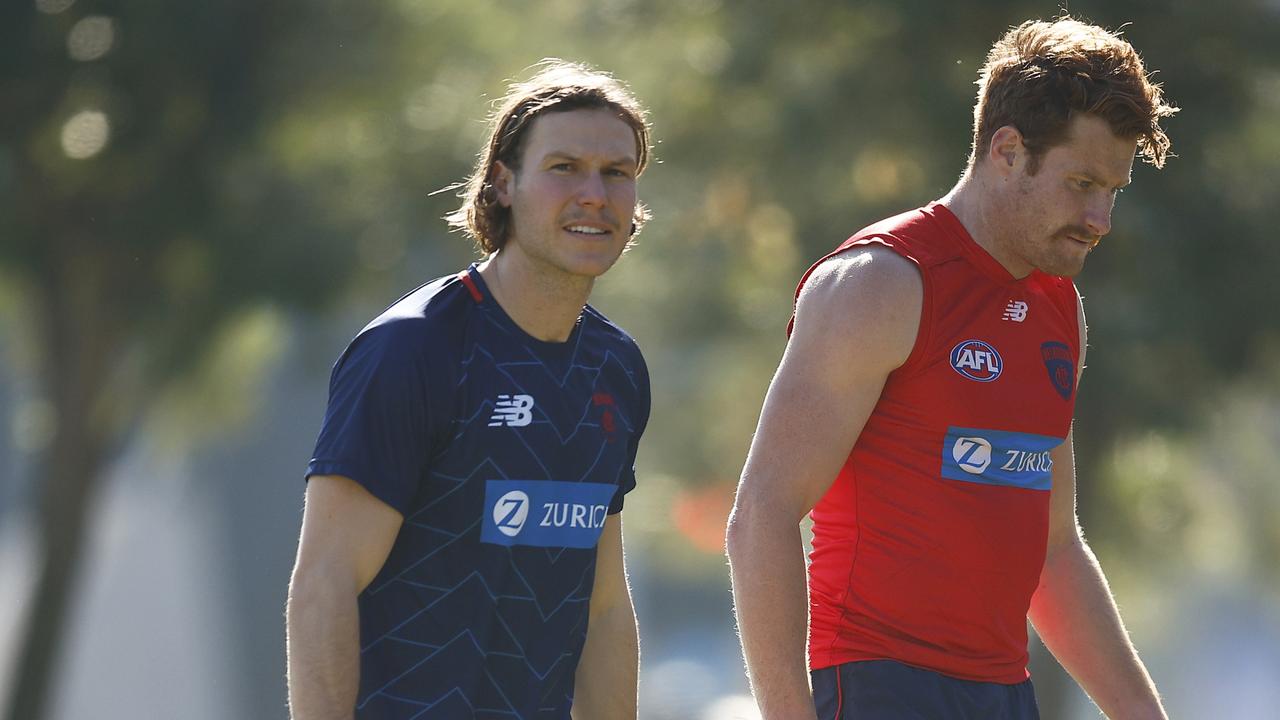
point(1041, 74)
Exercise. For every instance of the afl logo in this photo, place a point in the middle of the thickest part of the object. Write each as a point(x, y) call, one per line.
point(976, 360)
point(510, 512)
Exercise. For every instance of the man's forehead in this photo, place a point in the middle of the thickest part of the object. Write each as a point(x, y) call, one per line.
point(1092, 147)
point(595, 132)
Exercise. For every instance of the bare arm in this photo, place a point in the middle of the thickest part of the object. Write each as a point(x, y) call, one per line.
point(856, 320)
point(1073, 610)
point(605, 685)
point(346, 536)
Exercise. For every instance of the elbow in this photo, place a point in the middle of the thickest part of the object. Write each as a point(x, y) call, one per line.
point(739, 529)
point(760, 523)
point(304, 586)
point(313, 582)
point(1066, 539)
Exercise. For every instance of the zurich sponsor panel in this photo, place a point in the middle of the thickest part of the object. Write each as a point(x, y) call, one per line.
point(999, 457)
point(545, 513)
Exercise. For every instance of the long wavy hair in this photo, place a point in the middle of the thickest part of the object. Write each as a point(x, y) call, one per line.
point(556, 86)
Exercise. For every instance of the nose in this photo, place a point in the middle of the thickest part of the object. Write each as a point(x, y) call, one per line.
point(592, 193)
point(1098, 219)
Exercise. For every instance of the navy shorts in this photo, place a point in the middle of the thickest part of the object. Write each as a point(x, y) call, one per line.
point(888, 690)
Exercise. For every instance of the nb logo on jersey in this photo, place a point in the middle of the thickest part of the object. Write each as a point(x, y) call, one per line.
point(1016, 311)
point(976, 360)
point(512, 411)
point(972, 454)
point(510, 512)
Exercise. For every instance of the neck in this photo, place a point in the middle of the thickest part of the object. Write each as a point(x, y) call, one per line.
point(975, 202)
point(542, 302)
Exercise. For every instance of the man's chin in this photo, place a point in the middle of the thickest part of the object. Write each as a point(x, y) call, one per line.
point(1065, 264)
point(594, 266)
point(1064, 269)
point(1061, 266)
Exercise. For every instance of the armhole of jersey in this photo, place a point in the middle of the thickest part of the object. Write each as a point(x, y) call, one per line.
point(926, 304)
point(924, 334)
point(925, 331)
point(1077, 303)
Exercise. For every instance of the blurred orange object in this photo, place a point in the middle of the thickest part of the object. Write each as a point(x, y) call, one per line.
point(701, 515)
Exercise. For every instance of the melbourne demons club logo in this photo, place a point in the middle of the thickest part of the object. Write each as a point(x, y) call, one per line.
point(603, 403)
point(1061, 367)
point(976, 360)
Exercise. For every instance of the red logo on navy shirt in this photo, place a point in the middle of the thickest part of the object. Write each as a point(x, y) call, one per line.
point(604, 401)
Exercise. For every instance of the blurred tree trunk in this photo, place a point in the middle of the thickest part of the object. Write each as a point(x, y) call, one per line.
point(75, 333)
point(137, 255)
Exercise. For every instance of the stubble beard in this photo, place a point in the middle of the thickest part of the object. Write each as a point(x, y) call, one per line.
point(1054, 254)
point(1068, 264)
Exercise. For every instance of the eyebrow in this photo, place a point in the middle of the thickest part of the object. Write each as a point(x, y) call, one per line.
point(1094, 178)
point(626, 160)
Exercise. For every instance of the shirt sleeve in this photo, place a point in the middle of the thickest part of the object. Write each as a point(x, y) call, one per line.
point(627, 482)
point(379, 428)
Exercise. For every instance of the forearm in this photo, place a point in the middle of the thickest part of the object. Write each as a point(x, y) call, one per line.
point(605, 683)
point(1076, 617)
point(766, 561)
point(323, 651)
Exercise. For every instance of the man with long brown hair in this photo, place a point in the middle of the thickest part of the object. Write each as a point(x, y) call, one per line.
point(461, 548)
point(922, 412)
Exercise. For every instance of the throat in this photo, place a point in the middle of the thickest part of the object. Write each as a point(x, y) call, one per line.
point(545, 305)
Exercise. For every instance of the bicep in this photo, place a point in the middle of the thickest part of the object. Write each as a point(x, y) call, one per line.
point(807, 427)
point(854, 327)
point(347, 533)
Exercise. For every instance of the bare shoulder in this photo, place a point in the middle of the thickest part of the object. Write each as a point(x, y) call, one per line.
point(873, 278)
point(869, 299)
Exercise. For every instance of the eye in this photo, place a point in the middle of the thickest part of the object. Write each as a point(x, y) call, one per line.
point(561, 167)
point(1084, 184)
point(617, 172)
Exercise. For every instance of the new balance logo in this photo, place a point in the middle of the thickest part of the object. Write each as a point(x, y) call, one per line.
point(512, 411)
point(1016, 311)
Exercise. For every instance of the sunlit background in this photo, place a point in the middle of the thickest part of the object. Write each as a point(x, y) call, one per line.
point(200, 203)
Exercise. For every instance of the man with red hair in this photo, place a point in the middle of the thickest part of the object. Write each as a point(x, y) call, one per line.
point(922, 413)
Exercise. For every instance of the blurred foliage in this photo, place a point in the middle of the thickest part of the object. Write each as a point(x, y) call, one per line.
point(166, 170)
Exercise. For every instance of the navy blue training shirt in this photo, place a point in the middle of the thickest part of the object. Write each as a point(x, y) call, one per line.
point(504, 454)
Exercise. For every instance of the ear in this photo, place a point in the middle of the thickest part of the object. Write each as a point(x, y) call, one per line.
point(503, 181)
point(1006, 151)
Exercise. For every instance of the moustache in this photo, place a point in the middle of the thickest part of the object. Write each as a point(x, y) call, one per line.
point(1080, 232)
point(604, 217)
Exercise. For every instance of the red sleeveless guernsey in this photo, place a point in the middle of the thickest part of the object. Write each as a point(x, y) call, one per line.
point(929, 543)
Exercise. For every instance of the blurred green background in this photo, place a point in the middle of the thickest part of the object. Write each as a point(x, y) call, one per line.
point(200, 203)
